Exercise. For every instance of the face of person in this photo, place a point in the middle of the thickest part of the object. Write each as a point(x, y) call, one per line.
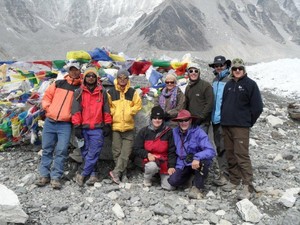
point(156, 122)
point(184, 124)
point(170, 84)
point(193, 73)
point(238, 72)
point(90, 78)
point(219, 67)
point(122, 80)
point(74, 73)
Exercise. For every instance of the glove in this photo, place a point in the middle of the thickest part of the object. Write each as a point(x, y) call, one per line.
point(78, 133)
point(167, 116)
point(107, 130)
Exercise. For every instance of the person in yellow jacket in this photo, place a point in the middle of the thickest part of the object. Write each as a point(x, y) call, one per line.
point(124, 103)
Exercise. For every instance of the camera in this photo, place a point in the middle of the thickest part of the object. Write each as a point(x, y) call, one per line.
point(189, 158)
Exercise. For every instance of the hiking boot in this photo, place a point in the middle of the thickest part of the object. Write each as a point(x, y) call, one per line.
point(147, 183)
point(124, 178)
point(43, 181)
point(229, 187)
point(195, 193)
point(221, 181)
point(92, 180)
point(244, 193)
point(79, 179)
point(115, 177)
point(55, 184)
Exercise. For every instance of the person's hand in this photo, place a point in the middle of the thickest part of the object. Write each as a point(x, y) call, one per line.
point(195, 164)
point(78, 133)
point(151, 157)
point(107, 130)
point(167, 116)
point(171, 171)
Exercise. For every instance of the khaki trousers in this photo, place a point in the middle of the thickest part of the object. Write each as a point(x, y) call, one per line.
point(121, 149)
point(236, 142)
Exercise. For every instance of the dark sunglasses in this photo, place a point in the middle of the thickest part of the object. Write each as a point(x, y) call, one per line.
point(157, 118)
point(237, 68)
point(184, 120)
point(170, 82)
point(90, 75)
point(193, 71)
point(122, 78)
point(218, 65)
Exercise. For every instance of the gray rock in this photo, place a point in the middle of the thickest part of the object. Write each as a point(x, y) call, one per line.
point(11, 209)
point(248, 211)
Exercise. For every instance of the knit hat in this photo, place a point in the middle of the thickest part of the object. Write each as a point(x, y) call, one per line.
point(90, 70)
point(220, 60)
point(172, 77)
point(123, 72)
point(237, 62)
point(157, 112)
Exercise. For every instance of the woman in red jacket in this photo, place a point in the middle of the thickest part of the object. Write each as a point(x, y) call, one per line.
point(155, 145)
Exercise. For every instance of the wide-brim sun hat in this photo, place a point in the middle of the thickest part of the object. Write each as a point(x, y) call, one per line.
point(220, 60)
point(183, 114)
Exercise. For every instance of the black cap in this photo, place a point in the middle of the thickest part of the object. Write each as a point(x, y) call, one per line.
point(157, 112)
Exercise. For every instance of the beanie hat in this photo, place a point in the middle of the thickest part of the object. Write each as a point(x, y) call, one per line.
point(90, 70)
point(237, 62)
point(123, 72)
point(171, 76)
point(157, 112)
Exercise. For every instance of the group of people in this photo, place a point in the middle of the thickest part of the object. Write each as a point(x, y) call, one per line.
point(175, 145)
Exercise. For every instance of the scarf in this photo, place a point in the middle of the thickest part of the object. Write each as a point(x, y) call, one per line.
point(172, 94)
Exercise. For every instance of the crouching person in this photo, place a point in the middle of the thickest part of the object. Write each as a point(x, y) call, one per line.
point(155, 145)
point(92, 122)
point(194, 154)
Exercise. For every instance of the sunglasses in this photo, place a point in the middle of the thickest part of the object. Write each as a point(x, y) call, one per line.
point(122, 78)
point(170, 82)
point(218, 65)
point(183, 120)
point(193, 71)
point(90, 75)
point(237, 68)
point(157, 118)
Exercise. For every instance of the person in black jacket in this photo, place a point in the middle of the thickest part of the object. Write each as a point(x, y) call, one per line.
point(241, 106)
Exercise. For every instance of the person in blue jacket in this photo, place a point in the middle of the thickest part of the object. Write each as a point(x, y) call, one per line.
point(221, 71)
point(241, 106)
point(194, 154)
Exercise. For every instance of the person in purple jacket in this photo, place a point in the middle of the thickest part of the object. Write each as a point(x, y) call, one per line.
point(194, 154)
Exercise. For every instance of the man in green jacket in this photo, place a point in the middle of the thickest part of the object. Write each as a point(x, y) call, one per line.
point(199, 97)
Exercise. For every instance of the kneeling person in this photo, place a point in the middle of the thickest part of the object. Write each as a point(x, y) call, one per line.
point(155, 145)
point(194, 154)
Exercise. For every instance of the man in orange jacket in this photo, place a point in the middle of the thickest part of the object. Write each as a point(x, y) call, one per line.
point(57, 103)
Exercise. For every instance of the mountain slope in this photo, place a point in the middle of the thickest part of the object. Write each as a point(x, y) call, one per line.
point(246, 28)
